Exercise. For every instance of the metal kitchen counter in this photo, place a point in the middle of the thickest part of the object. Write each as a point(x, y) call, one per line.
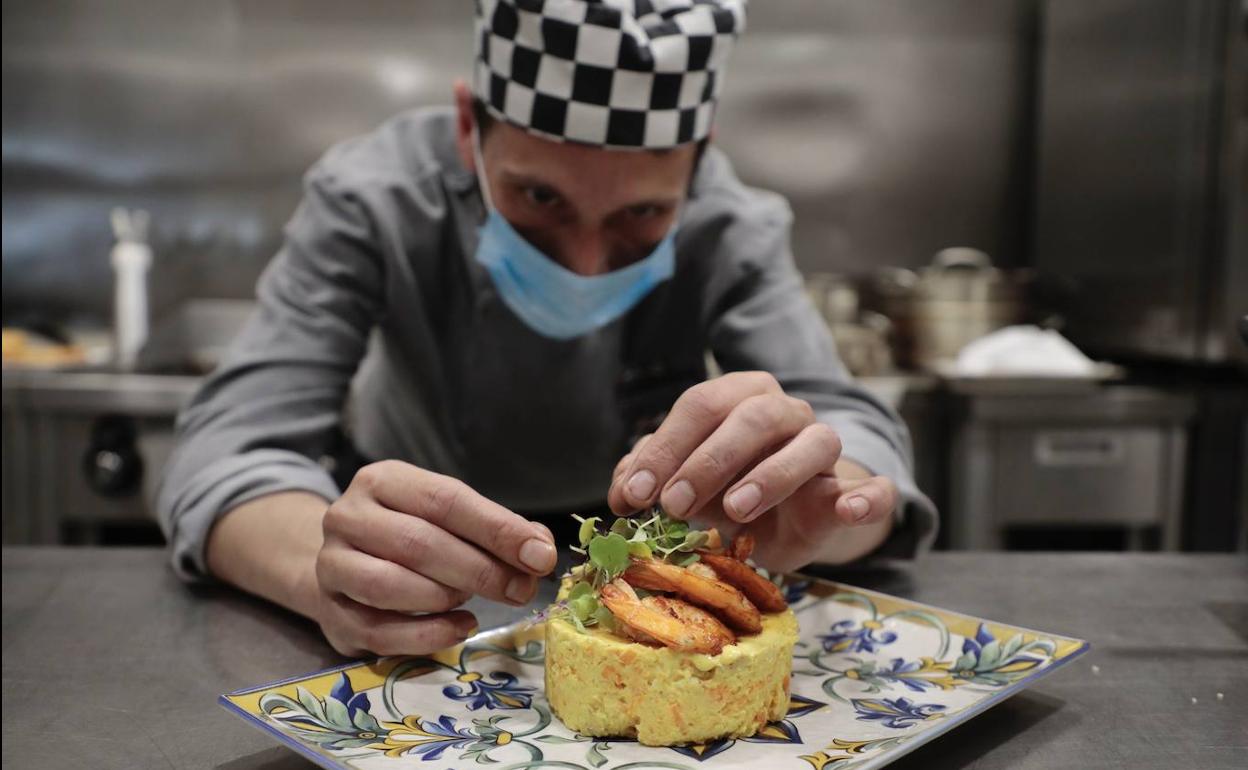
point(84, 448)
point(94, 392)
point(110, 662)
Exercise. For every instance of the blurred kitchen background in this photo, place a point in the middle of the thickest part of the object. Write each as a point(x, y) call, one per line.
point(955, 166)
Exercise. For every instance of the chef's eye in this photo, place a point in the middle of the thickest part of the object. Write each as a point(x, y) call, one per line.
point(645, 211)
point(540, 195)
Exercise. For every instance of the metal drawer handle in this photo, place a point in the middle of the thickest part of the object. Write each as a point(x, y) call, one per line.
point(1083, 448)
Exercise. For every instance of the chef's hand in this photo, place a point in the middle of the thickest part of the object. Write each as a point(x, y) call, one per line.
point(736, 452)
point(404, 547)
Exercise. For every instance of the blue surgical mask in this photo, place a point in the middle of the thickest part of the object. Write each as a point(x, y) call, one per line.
point(552, 300)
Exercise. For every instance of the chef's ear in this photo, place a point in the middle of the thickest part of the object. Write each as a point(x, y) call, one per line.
point(464, 123)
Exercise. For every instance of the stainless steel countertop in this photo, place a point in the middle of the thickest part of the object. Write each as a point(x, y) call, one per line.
point(96, 391)
point(158, 395)
point(109, 662)
point(142, 394)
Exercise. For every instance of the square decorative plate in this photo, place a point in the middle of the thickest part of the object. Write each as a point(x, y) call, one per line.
point(874, 677)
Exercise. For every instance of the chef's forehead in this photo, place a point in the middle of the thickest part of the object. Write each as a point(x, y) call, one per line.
point(623, 74)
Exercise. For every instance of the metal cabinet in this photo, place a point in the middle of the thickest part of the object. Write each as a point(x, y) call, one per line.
point(83, 452)
point(1110, 456)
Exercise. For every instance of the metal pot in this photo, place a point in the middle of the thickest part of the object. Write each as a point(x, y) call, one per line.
point(861, 336)
point(959, 298)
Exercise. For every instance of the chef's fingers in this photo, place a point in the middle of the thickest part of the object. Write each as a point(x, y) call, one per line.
point(620, 467)
point(694, 417)
point(421, 546)
point(811, 452)
point(859, 505)
point(627, 459)
point(455, 507)
point(852, 502)
point(355, 629)
point(383, 584)
point(623, 465)
point(757, 423)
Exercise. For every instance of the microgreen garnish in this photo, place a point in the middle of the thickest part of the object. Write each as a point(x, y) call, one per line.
point(654, 535)
point(608, 552)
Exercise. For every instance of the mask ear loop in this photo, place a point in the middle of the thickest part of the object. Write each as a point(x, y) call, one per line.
point(479, 162)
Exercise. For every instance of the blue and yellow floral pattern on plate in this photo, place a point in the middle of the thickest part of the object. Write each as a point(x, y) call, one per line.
point(874, 677)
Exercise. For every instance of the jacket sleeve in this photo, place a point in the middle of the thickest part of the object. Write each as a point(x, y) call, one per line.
point(262, 420)
point(765, 321)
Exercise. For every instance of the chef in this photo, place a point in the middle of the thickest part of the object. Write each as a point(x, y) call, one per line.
point(507, 308)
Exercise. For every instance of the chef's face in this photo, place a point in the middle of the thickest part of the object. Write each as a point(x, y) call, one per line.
point(591, 209)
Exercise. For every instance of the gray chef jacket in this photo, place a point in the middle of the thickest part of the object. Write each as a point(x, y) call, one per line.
point(375, 326)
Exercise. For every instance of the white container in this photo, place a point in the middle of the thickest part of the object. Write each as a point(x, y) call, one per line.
point(131, 260)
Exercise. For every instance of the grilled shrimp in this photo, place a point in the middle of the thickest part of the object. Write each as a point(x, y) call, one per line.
point(765, 594)
point(741, 548)
point(726, 601)
point(705, 625)
point(670, 622)
point(698, 568)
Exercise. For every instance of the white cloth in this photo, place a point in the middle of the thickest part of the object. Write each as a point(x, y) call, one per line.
point(1023, 351)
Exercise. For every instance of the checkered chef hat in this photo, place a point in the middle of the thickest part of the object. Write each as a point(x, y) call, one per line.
point(635, 74)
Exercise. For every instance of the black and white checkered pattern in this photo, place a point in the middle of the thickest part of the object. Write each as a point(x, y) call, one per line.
point(640, 74)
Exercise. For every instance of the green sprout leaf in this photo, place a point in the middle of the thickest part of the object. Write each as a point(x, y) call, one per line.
point(580, 589)
point(588, 530)
point(583, 607)
point(639, 550)
point(693, 540)
point(609, 553)
point(604, 618)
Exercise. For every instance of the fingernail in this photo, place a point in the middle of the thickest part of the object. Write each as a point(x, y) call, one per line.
point(470, 631)
point(537, 554)
point(544, 533)
point(678, 499)
point(859, 507)
point(641, 485)
point(744, 500)
point(519, 589)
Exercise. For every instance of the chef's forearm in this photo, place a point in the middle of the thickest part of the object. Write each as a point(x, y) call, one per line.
point(268, 547)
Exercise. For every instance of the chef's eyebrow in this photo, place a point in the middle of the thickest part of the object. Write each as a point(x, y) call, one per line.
point(529, 180)
point(523, 179)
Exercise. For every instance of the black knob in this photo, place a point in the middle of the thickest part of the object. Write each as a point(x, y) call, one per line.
point(112, 463)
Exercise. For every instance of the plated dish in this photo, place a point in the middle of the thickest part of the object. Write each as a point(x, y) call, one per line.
point(873, 677)
point(667, 636)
